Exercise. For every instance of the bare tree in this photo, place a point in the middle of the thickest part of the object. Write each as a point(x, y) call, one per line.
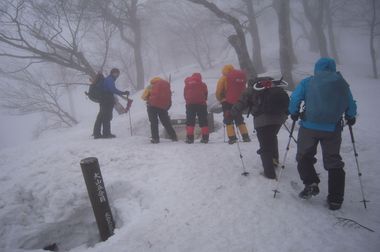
point(44, 32)
point(237, 40)
point(248, 11)
point(27, 95)
point(329, 11)
point(364, 15)
point(314, 11)
point(124, 14)
point(307, 33)
point(287, 56)
point(195, 34)
point(374, 26)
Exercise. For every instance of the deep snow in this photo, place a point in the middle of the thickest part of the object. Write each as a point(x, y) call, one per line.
point(179, 197)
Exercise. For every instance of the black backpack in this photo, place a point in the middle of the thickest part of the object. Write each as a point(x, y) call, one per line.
point(95, 91)
point(272, 101)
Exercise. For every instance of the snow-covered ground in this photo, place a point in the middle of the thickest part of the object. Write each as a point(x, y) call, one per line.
point(179, 197)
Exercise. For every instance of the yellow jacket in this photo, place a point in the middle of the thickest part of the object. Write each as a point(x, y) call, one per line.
point(221, 87)
point(146, 93)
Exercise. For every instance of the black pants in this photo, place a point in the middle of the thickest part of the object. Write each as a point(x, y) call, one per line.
point(332, 161)
point(194, 110)
point(104, 118)
point(228, 118)
point(154, 114)
point(268, 151)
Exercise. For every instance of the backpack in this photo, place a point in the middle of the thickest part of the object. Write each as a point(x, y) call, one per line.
point(236, 84)
point(160, 95)
point(327, 98)
point(272, 101)
point(95, 90)
point(195, 91)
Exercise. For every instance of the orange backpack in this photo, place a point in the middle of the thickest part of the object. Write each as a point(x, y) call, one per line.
point(236, 84)
point(160, 95)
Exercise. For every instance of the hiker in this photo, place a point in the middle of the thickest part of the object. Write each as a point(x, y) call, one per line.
point(269, 107)
point(195, 93)
point(228, 90)
point(327, 97)
point(158, 97)
point(106, 103)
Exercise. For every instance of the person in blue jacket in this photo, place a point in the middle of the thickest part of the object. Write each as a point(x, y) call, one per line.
point(106, 105)
point(326, 96)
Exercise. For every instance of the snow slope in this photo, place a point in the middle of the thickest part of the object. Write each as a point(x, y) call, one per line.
point(179, 197)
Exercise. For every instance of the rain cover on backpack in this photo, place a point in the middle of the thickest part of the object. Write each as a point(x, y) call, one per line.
point(236, 84)
point(160, 95)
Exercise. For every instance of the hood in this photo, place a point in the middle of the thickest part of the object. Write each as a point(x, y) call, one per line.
point(325, 65)
point(155, 80)
point(227, 69)
point(197, 77)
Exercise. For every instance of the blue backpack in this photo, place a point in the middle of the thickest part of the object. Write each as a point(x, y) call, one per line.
point(327, 97)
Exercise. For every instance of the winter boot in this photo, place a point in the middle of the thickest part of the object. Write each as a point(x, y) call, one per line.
point(232, 140)
point(309, 190)
point(109, 136)
point(231, 133)
point(189, 139)
point(336, 184)
point(205, 136)
point(246, 138)
point(155, 140)
point(98, 136)
point(244, 132)
point(204, 139)
point(333, 205)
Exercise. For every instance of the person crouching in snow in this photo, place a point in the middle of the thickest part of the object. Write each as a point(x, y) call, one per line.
point(158, 97)
point(195, 93)
point(228, 90)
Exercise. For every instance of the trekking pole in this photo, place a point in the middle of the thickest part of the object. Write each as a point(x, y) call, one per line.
point(288, 130)
point(357, 166)
point(283, 161)
point(244, 173)
point(224, 132)
point(130, 121)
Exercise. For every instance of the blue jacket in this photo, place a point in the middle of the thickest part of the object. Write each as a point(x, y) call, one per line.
point(109, 85)
point(325, 75)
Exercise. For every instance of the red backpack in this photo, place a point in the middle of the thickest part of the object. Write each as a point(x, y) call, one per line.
point(236, 84)
point(160, 95)
point(195, 91)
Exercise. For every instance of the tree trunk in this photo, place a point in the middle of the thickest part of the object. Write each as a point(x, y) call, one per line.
point(372, 40)
point(136, 28)
point(316, 24)
point(138, 60)
point(237, 40)
point(330, 30)
point(254, 32)
point(286, 60)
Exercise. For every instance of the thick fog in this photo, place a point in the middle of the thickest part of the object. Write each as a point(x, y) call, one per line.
point(49, 49)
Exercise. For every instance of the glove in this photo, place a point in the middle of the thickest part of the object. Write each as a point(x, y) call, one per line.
point(126, 93)
point(350, 120)
point(295, 116)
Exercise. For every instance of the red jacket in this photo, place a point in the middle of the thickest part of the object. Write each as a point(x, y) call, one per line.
point(195, 91)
